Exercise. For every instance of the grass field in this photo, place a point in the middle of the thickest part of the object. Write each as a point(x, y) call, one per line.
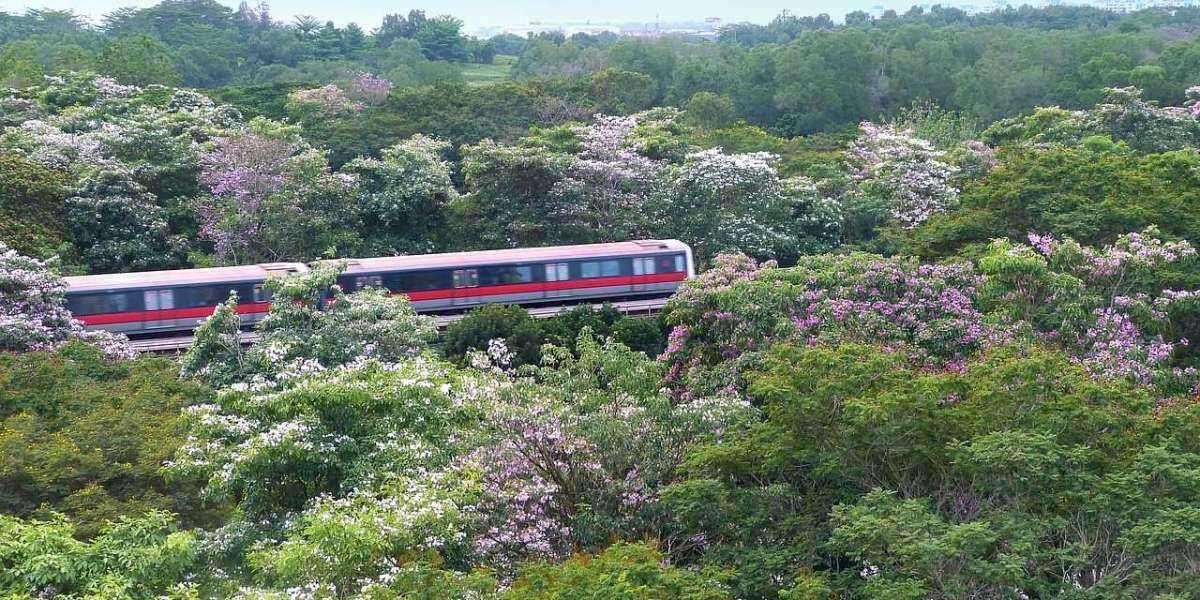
point(499, 70)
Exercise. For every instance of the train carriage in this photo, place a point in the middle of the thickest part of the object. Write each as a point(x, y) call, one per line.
point(162, 301)
point(557, 274)
point(165, 301)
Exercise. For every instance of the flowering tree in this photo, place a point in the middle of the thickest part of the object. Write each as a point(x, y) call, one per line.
point(327, 432)
point(311, 326)
point(1121, 116)
point(737, 202)
point(611, 175)
point(353, 461)
point(321, 103)
point(368, 88)
point(579, 457)
point(1109, 308)
point(516, 198)
point(393, 540)
point(1125, 116)
point(634, 176)
point(131, 156)
point(1108, 305)
point(242, 171)
point(903, 172)
point(403, 194)
point(33, 309)
point(117, 226)
point(926, 311)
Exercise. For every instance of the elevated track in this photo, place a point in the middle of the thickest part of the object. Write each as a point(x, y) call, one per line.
point(643, 307)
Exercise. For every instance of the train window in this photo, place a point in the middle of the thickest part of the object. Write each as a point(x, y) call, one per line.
point(557, 272)
point(643, 266)
point(260, 293)
point(94, 304)
point(667, 264)
point(505, 274)
point(466, 278)
point(600, 268)
point(209, 295)
point(83, 305)
point(423, 280)
point(366, 281)
point(159, 299)
point(679, 268)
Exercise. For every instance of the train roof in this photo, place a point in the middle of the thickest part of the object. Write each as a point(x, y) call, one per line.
point(516, 255)
point(259, 272)
point(145, 279)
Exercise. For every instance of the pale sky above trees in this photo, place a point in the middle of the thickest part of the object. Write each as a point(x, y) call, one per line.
point(483, 13)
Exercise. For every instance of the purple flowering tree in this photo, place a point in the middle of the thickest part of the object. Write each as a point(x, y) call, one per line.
point(321, 103)
point(1108, 306)
point(242, 171)
point(579, 453)
point(368, 88)
point(926, 311)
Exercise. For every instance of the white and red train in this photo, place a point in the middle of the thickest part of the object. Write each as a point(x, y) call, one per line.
point(164, 301)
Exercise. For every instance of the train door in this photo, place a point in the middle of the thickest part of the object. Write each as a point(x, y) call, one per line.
point(155, 301)
point(556, 272)
point(464, 280)
point(642, 266)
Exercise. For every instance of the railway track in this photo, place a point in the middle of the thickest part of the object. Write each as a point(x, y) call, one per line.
point(649, 306)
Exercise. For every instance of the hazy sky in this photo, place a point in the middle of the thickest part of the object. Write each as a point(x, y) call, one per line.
point(482, 13)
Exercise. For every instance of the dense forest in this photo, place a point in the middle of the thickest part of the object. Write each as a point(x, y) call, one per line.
point(941, 343)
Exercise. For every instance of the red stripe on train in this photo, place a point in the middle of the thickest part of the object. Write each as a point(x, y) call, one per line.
point(491, 290)
point(166, 315)
point(544, 286)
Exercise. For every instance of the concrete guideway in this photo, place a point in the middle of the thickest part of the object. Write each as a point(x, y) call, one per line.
point(645, 307)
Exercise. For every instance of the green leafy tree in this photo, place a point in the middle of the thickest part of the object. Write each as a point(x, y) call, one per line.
point(86, 437)
point(621, 92)
point(31, 197)
point(521, 334)
point(709, 111)
point(138, 60)
point(142, 557)
point(621, 571)
point(405, 195)
point(440, 38)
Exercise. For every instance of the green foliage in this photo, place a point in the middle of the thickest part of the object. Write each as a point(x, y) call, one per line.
point(1077, 192)
point(139, 558)
point(520, 332)
point(642, 334)
point(31, 197)
point(1017, 421)
point(138, 60)
point(621, 571)
point(709, 111)
point(622, 92)
point(933, 484)
point(523, 336)
point(86, 437)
